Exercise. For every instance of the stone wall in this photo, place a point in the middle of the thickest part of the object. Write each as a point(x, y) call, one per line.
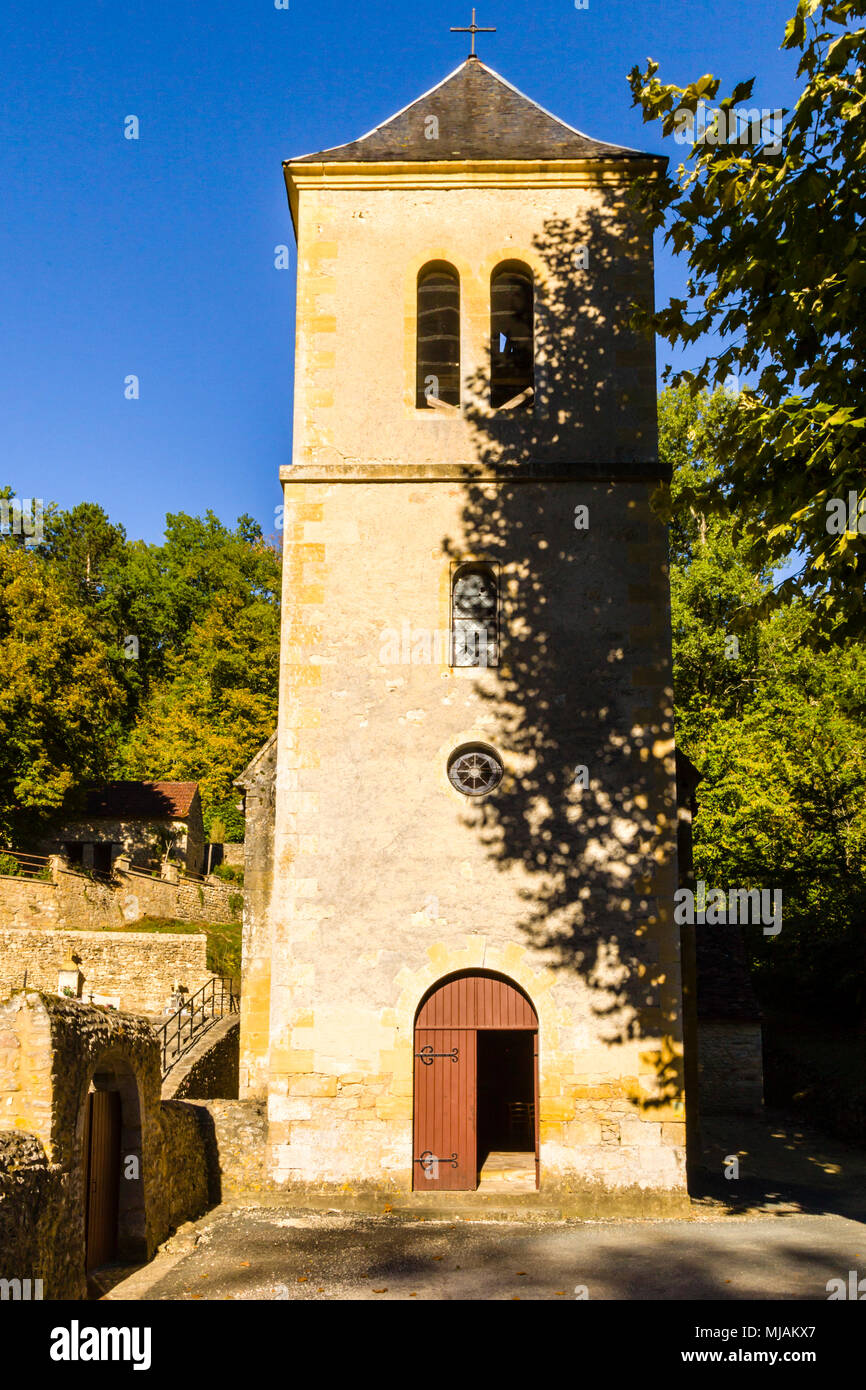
point(234, 1135)
point(389, 879)
point(185, 901)
point(730, 1067)
point(211, 1067)
point(28, 902)
point(183, 1169)
point(136, 971)
point(33, 1214)
point(75, 900)
point(52, 1052)
point(232, 854)
point(258, 783)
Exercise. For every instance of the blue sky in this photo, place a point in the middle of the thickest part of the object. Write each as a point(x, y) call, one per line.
point(155, 257)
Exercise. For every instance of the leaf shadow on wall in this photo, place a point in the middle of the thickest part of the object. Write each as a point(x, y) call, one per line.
point(579, 611)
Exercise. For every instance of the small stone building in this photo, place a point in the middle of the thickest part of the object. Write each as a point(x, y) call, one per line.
point(141, 820)
point(94, 1167)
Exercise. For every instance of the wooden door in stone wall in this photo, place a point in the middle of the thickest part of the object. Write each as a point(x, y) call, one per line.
point(445, 1104)
point(446, 1073)
point(102, 1176)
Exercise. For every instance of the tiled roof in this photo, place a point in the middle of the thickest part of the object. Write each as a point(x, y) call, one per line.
point(479, 116)
point(142, 800)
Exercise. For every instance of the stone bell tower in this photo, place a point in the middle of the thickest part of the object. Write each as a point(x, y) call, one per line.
point(465, 946)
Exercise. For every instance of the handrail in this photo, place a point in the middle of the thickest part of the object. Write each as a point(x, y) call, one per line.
point(29, 865)
point(204, 1008)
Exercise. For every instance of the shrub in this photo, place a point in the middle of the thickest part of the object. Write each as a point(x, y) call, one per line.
point(229, 874)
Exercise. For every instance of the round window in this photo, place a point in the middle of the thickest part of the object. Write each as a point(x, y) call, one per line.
point(474, 770)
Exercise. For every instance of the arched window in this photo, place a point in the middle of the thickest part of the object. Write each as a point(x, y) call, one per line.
point(474, 616)
point(512, 345)
point(438, 341)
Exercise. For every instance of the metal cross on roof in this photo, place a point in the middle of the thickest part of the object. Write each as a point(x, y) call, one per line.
point(473, 29)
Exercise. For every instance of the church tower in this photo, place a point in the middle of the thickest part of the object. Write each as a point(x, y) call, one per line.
point(466, 970)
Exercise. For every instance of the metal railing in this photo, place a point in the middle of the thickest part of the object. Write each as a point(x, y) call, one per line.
point(28, 865)
point(187, 1024)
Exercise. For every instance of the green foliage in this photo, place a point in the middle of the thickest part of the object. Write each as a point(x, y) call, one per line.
point(9, 866)
point(62, 699)
point(224, 822)
point(777, 268)
point(216, 831)
point(236, 903)
point(778, 730)
point(230, 873)
point(195, 704)
point(217, 704)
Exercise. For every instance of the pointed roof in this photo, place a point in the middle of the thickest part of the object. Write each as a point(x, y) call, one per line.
point(258, 764)
point(481, 116)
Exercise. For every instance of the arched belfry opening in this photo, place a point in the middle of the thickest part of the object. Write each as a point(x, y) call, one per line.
point(512, 337)
point(476, 1086)
point(437, 372)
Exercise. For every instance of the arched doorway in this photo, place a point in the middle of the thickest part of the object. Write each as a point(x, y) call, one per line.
point(476, 1080)
point(111, 1158)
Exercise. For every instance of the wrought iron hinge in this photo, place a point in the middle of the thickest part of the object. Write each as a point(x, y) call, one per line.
point(427, 1054)
point(428, 1158)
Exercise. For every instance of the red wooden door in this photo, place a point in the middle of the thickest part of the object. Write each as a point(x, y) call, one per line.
point(445, 1148)
point(446, 1072)
point(103, 1176)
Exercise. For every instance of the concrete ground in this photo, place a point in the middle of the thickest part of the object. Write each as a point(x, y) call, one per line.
point(793, 1218)
point(274, 1252)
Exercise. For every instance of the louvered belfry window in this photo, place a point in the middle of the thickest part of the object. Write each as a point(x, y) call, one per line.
point(438, 346)
point(512, 347)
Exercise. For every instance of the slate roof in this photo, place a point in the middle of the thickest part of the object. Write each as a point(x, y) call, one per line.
point(481, 116)
point(142, 800)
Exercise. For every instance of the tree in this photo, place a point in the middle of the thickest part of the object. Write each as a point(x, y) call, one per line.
point(61, 700)
point(776, 727)
point(86, 547)
point(217, 704)
point(773, 234)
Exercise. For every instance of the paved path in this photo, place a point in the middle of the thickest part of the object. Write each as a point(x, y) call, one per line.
point(275, 1252)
